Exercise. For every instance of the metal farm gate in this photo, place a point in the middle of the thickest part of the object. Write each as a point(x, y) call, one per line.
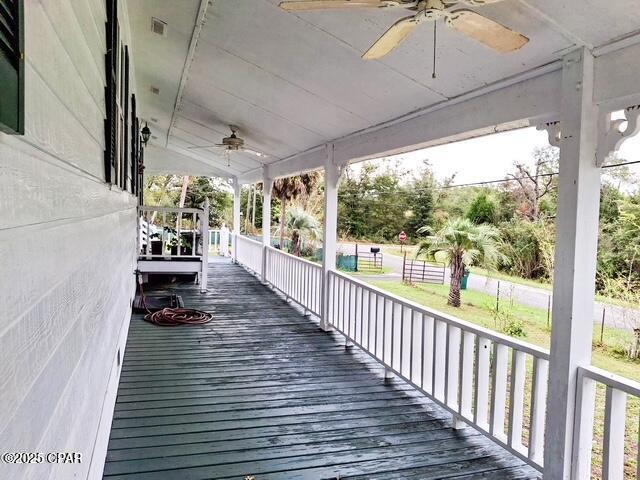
point(419, 271)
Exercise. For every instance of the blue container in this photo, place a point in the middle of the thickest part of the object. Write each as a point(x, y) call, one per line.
point(347, 263)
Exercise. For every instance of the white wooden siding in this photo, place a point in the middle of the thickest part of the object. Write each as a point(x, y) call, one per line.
point(67, 249)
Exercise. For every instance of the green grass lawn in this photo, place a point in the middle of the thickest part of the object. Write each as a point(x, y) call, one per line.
point(383, 271)
point(477, 308)
point(412, 249)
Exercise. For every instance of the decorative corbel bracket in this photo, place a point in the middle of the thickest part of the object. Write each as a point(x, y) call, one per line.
point(611, 134)
point(553, 131)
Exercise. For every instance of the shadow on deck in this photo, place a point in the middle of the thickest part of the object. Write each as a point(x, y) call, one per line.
point(263, 391)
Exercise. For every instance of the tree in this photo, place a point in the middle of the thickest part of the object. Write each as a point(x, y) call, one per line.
point(482, 210)
point(299, 225)
point(288, 189)
point(460, 244)
point(220, 198)
point(373, 201)
point(421, 201)
point(535, 183)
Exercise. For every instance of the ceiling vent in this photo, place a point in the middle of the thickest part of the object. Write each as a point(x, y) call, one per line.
point(158, 27)
point(154, 90)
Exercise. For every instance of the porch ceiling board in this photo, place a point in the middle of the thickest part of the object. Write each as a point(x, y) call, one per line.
point(263, 391)
point(295, 81)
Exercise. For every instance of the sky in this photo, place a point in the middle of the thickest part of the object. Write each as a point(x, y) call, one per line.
point(492, 157)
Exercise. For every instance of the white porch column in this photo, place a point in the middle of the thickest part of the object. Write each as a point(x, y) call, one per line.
point(575, 258)
point(236, 217)
point(267, 186)
point(332, 174)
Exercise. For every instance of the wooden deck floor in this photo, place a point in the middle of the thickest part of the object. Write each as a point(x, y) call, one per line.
point(262, 391)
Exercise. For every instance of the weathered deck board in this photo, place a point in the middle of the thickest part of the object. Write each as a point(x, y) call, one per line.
point(262, 391)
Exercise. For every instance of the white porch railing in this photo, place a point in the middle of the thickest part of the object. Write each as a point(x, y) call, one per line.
point(297, 278)
point(616, 409)
point(248, 252)
point(492, 382)
point(469, 370)
point(174, 240)
point(168, 232)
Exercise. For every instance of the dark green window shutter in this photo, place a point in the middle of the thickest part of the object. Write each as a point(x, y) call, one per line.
point(110, 94)
point(11, 67)
point(132, 147)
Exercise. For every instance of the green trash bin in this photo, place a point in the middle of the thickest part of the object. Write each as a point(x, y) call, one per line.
point(465, 277)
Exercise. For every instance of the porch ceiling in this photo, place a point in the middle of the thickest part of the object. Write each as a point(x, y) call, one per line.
point(292, 82)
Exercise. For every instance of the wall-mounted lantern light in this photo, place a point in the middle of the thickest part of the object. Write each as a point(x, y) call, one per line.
point(146, 133)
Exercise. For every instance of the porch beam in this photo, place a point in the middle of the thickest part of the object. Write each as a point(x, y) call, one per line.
point(527, 100)
point(332, 174)
point(236, 216)
point(267, 186)
point(508, 105)
point(575, 257)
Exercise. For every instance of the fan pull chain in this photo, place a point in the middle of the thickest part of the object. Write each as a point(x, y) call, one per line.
point(435, 40)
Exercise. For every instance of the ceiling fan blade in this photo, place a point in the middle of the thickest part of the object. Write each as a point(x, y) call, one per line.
point(201, 146)
point(480, 3)
point(393, 37)
point(253, 152)
point(328, 4)
point(487, 31)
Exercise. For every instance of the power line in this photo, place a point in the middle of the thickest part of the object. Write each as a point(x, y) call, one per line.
point(504, 180)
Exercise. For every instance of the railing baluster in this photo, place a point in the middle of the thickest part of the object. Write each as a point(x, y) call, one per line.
point(193, 236)
point(538, 408)
point(615, 410)
point(453, 365)
point(466, 375)
point(499, 390)
point(375, 341)
point(481, 390)
point(393, 333)
point(369, 310)
point(439, 363)
point(516, 400)
point(401, 346)
point(429, 352)
point(411, 346)
point(361, 316)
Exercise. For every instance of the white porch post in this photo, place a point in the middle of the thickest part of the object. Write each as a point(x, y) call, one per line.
point(332, 174)
point(236, 217)
point(204, 235)
point(575, 258)
point(267, 186)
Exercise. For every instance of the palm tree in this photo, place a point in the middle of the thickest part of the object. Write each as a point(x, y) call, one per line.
point(301, 224)
point(460, 244)
point(290, 188)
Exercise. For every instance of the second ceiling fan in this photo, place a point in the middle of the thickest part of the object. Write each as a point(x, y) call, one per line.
point(470, 23)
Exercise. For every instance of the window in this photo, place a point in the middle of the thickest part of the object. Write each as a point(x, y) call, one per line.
point(11, 67)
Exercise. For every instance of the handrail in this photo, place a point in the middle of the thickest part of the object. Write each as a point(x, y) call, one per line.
point(171, 209)
point(468, 370)
point(618, 382)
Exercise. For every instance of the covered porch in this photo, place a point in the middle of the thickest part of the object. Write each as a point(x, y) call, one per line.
point(263, 391)
point(576, 79)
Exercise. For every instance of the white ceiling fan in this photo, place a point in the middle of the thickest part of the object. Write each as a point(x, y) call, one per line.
point(480, 28)
point(232, 143)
